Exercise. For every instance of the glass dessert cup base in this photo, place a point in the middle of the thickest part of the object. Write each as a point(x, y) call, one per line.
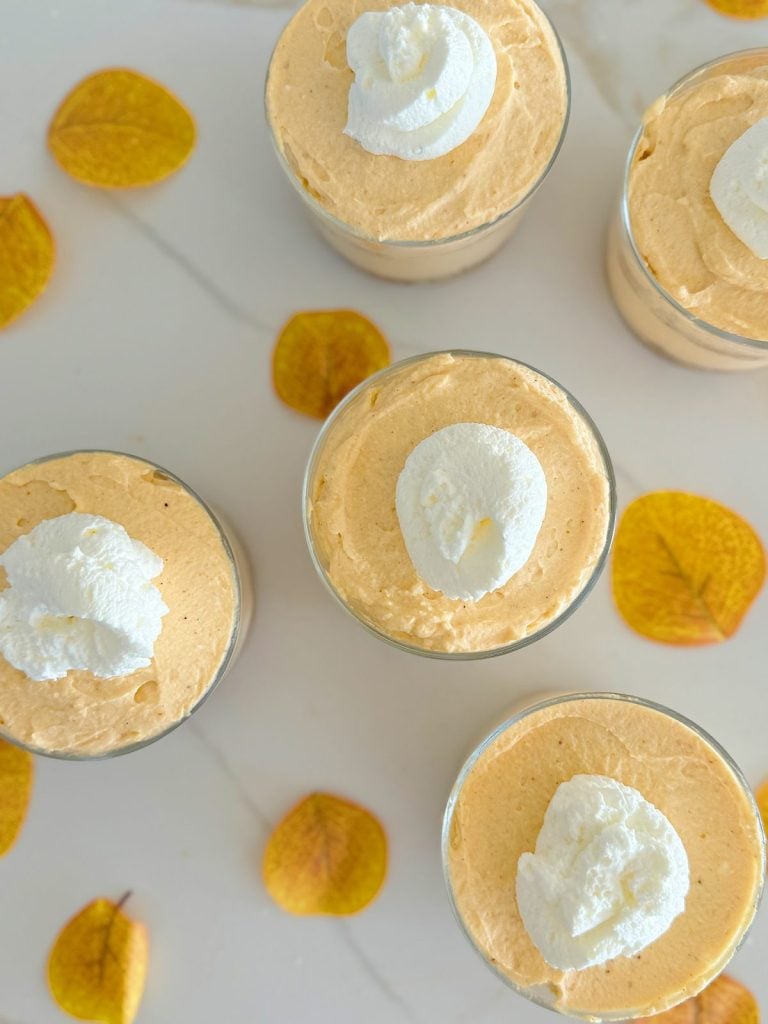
point(243, 609)
point(552, 995)
point(430, 259)
point(411, 262)
point(654, 316)
point(336, 426)
point(663, 326)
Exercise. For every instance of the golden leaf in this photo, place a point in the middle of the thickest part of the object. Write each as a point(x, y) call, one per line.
point(27, 249)
point(120, 129)
point(685, 569)
point(327, 856)
point(723, 1001)
point(322, 355)
point(762, 803)
point(98, 964)
point(741, 8)
point(16, 774)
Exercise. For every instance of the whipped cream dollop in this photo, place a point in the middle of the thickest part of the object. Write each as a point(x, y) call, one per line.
point(739, 188)
point(609, 875)
point(79, 596)
point(470, 500)
point(424, 78)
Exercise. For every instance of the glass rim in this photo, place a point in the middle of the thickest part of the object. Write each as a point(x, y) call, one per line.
point(226, 661)
point(626, 219)
point(416, 244)
point(492, 652)
point(566, 698)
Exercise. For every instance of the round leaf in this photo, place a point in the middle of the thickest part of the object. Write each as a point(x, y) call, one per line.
point(724, 1001)
point(27, 249)
point(16, 774)
point(98, 964)
point(120, 129)
point(685, 569)
point(741, 8)
point(327, 856)
point(762, 803)
point(322, 355)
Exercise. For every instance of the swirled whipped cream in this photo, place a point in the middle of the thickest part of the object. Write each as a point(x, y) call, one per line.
point(739, 188)
point(470, 500)
point(608, 877)
point(424, 78)
point(79, 596)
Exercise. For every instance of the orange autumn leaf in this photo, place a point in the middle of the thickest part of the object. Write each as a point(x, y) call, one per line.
point(327, 856)
point(120, 129)
point(98, 964)
point(27, 258)
point(762, 803)
point(685, 569)
point(16, 774)
point(741, 8)
point(321, 355)
point(724, 1001)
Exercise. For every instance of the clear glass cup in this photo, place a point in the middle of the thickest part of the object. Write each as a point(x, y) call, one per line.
point(241, 583)
point(429, 260)
point(648, 309)
point(541, 995)
point(336, 420)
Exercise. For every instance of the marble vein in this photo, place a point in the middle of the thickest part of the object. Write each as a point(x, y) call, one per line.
point(473, 1014)
point(623, 475)
point(246, 799)
point(371, 971)
point(342, 927)
point(228, 772)
point(224, 301)
point(618, 39)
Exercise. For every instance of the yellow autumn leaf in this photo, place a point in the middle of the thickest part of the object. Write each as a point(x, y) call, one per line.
point(327, 856)
point(762, 803)
point(120, 129)
point(724, 1001)
point(685, 569)
point(321, 355)
point(98, 964)
point(741, 8)
point(16, 774)
point(27, 255)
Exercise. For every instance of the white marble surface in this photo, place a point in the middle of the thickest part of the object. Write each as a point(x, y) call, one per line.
point(155, 337)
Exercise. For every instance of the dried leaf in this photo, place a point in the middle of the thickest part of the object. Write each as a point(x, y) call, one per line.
point(741, 8)
point(322, 355)
point(26, 255)
point(327, 856)
point(120, 129)
point(98, 964)
point(724, 1001)
point(727, 1000)
point(762, 803)
point(16, 774)
point(685, 569)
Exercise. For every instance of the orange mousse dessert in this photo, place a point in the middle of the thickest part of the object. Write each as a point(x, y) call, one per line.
point(120, 603)
point(604, 855)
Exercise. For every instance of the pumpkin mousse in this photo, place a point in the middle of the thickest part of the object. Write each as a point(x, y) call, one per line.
point(458, 503)
point(604, 856)
point(679, 230)
point(687, 255)
point(394, 190)
point(119, 603)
